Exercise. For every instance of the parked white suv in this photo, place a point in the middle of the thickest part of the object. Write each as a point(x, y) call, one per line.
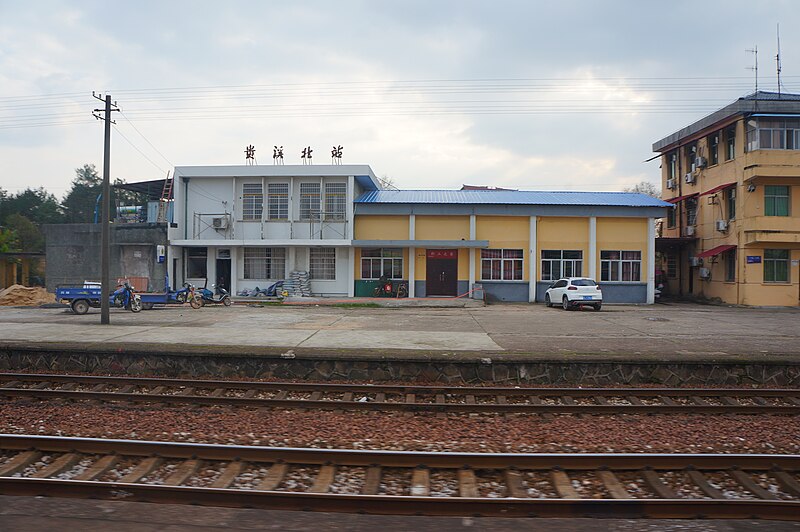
point(573, 292)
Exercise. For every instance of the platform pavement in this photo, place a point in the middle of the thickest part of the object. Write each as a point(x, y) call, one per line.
point(656, 332)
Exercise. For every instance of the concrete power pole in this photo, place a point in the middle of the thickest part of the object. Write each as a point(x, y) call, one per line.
point(105, 255)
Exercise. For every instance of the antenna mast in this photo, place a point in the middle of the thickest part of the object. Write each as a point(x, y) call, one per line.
point(754, 51)
point(778, 59)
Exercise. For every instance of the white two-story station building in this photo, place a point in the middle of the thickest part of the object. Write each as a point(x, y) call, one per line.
point(249, 226)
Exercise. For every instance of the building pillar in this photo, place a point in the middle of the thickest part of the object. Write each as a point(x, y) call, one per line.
point(351, 271)
point(651, 261)
point(593, 247)
point(235, 268)
point(472, 233)
point(412, 255)
point(532, 261)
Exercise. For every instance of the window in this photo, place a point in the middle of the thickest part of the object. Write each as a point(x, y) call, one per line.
point(730, 143)
point(776, 200)
point(620, 266)
point(309, 201)
point(730, 265)
point(773, 134)
point(776, 265)
point(673, 164)
point(671, 216)
point(691, 211)
point(264, 263)
point(277, 201)
point(690, 152)
point(730, 201)
point(713, 148)
point(196, 263)
point(558, 263)
point(501, 264)
point(381, 261)
point(252, 201)
point(672, 266)
point(335, 201)
point(322, 263)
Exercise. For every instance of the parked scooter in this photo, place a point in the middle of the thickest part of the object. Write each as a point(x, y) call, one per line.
point(125, 297)
point(190, 294)
point(219, 295)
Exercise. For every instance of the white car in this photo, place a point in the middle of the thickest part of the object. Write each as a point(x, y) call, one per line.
point(573, 292)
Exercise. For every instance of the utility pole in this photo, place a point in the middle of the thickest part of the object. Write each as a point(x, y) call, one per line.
point(105, 255)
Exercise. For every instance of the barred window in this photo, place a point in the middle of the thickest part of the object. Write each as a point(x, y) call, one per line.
point(264, 263)
point(376, 262)
point(252, 201)
point(196, 262)
point(621, 266)
point(322, 263)
point(558, 263)
point(776, 200)
point(277, 201)
point(309, 201)
point(335, 201)
point(501, 264)
point(776, 265)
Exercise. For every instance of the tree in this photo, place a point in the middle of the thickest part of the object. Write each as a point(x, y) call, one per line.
point(38, 205)
point(80, 201)
point(8, 240)
point(28, 235)
point(644, 187)
point(387, 183)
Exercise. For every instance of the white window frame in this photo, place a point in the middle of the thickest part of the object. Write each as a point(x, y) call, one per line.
point(322, 264)
point(575, 264)
point(387, 259)
point(612, 270)
point(252, 201)
point(277, 201)
point(335, 201)
point(264, 263)
point(506, 260)
point(310, 201)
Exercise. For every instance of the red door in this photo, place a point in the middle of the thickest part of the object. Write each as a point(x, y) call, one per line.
point(441, 272)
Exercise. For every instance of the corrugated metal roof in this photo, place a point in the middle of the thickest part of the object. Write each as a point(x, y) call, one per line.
point(511, 197)
point(765, 95)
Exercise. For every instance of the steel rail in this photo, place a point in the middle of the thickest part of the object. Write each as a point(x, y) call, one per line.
point(417, 393)
point(508, 506)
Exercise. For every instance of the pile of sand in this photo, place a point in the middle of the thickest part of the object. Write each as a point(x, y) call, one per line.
point(17, 295)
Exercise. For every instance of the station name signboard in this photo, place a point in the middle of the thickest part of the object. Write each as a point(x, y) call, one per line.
point(753, 259)
point(442, 253)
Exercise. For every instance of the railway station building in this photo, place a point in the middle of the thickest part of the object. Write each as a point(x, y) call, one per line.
point(249, 226)
point(733, 177)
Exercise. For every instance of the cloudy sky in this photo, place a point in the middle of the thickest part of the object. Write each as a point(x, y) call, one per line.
point(434, 94)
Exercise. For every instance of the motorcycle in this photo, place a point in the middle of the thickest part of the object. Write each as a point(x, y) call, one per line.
point(219, 295)
point(385, 288)
point(125, 297)
point(190, 294)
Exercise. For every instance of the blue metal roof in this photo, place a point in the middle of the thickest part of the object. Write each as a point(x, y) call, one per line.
point(511, 197)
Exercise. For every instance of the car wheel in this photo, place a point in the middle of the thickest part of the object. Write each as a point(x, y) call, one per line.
point(80, 306)
point(547, 300)
point(565, 303)
point(598, 306)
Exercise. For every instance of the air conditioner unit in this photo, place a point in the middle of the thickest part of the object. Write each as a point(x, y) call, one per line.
point(700, 162)
point(690, 178)
point(695, 261)
point(705, 273)
point(722, 225)
point(219, 223)
point(671, 183)
point(689, 230)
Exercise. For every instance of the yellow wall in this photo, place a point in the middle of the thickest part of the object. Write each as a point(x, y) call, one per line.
point(381, 228)
point(442, 227)
point(624, 234)
point(509, 232)
point(562, 233)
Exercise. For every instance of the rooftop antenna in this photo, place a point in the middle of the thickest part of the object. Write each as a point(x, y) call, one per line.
point(778, 59)
point(754, 51)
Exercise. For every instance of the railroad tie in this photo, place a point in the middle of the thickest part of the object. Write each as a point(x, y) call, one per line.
point(144, 468)
point(613, 485)
point(632, 399)
point(59, 465)
point(794, 400)
point(249, 394)
point(514, 484)
point(380, 397)
point(563, 485)
point(347, 397)
point(274, 477)
point(218, 392)
point(702, 482)
point(601, 400)
point(98, 388)
point(69, 387)
point(746, 481)
point(421, 482)
point(568, 400)
point(186, 391)
point(667, 401)
point(128, 388)
point(699, 401)
point(230, 473)
point(786, 481)
point(536, 400)
point(760, 401)
point(410, 400)
point(183, 472)
point(42, 386)
point(730, 401)
point(158, 390)
point(654, 481)
point(19, 462)
point(11, 384)
point(440, 401)
point(324, 479)
point(99, 467)
point(372, 481)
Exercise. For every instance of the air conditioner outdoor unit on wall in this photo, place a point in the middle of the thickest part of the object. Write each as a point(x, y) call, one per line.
point(690, 178)
point(671, 184)
point(722, 225)
point(700, 162)
point(705, 273)
point(695, 261)
point(219, 223)
point(689, 230)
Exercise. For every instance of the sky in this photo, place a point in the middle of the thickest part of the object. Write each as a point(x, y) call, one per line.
point(534, 95)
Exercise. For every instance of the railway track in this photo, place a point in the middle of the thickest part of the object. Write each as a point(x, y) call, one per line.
point(384, 482)
point(404, 397)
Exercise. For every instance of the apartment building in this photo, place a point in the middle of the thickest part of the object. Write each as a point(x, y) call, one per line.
point(732, 177)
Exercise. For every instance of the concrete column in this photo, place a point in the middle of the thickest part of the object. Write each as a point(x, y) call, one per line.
point(651, 261)
point(532, 261)
point(412, 262)
point(351, 271)
point(472, 233)
point(290, 260)
point(290, 208)
point(593, 247)
point(235, 268)
point(349, 217)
